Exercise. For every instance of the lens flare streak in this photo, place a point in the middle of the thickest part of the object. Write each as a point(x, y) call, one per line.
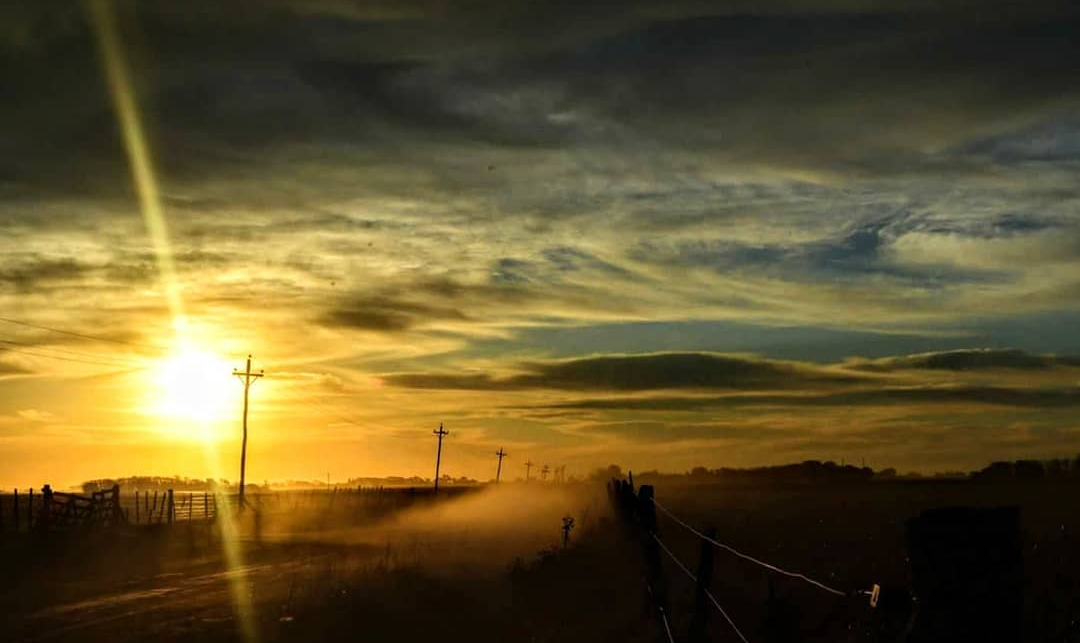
point(121, 89)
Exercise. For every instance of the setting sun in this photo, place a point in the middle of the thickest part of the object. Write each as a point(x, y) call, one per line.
point(194, 385)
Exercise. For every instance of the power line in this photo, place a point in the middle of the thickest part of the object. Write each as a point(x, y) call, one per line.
point(96, 338)
point(738, 553)
point(68, 359)
point(328, 409)
point(34, 347)
point(693, 577)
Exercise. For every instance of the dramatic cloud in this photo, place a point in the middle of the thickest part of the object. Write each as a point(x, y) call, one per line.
point(477, 210)
point(912, 397)
point(642, 373)
point(967, 360)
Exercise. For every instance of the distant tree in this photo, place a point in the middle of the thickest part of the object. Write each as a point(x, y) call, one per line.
point(1028, 470)
point(995, 471)
point(612, 471)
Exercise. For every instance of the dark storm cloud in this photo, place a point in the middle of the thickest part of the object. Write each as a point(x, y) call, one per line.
point(386, 314)
point(640, 373)
point(765, 384)
point(420, 303)
point(226, 84)
point(1042, 398)
point(967, 360)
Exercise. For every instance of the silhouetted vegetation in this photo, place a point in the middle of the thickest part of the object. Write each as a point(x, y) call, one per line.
point(815, 471)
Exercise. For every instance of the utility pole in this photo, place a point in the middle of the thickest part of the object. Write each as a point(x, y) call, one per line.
point(528, 467)
point(438, 454)
point(502, 454)
point(248, 378)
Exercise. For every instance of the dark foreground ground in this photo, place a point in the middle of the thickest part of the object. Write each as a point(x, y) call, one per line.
point(853, 536)
point(487, 569)
point(481, 569)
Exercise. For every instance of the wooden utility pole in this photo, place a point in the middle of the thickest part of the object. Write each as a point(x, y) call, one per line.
point(502, 454)
point(438, 453)
point(248, 378)
point(528, 468)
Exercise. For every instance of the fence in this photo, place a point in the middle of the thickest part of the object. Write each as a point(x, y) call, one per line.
point(168, 506)
point(966, 572)
point(27, 510)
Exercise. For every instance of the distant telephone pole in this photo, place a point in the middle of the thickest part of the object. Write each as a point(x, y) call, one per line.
point(502, 454)
point(528, 467)
point(438, 454)
point(248, 378)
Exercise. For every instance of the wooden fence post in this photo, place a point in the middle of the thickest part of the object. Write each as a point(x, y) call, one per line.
point(654, 570)
point(118, 514)
point(206, 505)
point(172, 508)
point(46, 505)
point(190, 498)
point(15, 505)
point(136, 507)
point(30, 509)
point(702, 608)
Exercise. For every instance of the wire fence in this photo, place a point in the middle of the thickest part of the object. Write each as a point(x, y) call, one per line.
point(749, 558)
point(639, 512)
point(694, 578)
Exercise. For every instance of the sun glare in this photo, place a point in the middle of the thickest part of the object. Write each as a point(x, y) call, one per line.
point(196, 386)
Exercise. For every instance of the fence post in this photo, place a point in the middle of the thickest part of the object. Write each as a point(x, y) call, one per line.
point(700, 620)
point(46, 505)
point(30, 509)
point(118, 515)
point(15, 505)
point(654, 571)
point(190, 498)
point(136, 507)
point(206, 505)
point(172, 508)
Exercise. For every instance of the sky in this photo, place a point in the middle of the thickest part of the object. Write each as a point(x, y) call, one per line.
point(660, 234)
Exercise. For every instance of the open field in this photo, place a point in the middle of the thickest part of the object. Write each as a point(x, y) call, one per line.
point(852, 536)
point(485, 566)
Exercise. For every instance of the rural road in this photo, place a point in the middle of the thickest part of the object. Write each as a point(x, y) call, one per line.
point(170, 605)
